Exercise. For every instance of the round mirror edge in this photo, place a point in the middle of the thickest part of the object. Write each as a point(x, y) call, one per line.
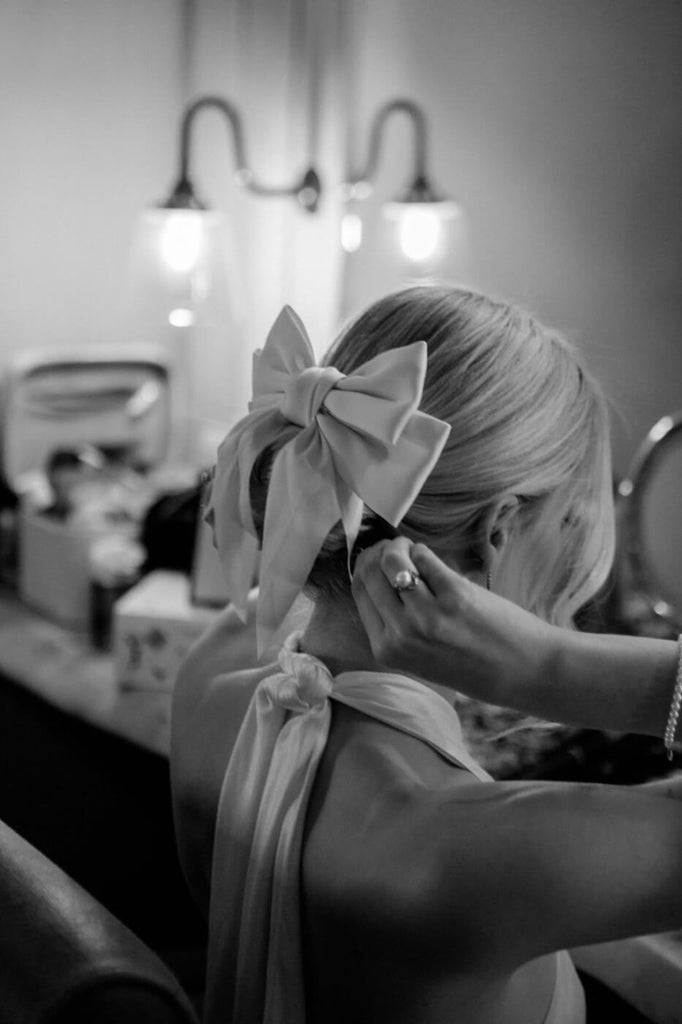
point(631, 494)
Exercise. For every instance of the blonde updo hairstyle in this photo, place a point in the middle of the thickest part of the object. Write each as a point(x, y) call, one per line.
point(527, 420)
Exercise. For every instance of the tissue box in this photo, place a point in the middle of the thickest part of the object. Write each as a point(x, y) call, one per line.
point(155, 624)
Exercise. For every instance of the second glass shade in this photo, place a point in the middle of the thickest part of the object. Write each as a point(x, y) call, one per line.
point(401, 244)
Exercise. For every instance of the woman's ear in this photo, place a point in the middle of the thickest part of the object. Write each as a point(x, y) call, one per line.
point(497, 524)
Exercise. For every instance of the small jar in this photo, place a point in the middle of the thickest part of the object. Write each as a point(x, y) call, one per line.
point(115, 564)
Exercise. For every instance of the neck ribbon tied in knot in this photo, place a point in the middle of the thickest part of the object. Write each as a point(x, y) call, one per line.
point(305, 394)
point(304, 683)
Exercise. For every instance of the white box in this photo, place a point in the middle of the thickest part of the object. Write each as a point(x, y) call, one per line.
point(54, 570)
point(155, 624)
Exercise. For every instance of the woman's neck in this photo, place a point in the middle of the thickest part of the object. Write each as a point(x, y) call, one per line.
point(337, 637)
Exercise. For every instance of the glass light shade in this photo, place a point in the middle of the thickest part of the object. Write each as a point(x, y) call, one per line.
point(179, 268)
point(399, 244)
point(181, 240)
point(184, 293)
point(422, 232)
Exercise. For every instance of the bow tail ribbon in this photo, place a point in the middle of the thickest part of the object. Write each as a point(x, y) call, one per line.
point(229, 513)
point(257, 851)
point(307, 501)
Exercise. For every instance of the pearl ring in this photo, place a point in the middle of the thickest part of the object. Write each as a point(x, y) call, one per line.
point(406, 579)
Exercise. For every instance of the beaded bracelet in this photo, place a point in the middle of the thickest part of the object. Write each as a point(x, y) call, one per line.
point(675, 705)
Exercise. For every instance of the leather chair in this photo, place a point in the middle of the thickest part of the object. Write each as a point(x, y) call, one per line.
point(65, 959)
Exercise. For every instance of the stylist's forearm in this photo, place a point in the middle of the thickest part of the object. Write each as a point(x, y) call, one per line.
point(617, 683)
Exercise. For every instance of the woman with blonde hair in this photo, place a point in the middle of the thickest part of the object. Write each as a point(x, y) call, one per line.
point(355, 862)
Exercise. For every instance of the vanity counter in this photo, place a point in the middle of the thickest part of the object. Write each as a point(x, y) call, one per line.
point(62, 667)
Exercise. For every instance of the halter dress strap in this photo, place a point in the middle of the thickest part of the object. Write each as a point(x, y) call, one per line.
point(255, 962)
point(410, 707)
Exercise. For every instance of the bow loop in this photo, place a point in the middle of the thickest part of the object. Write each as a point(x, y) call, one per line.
point(362, 442)
point(305, 393)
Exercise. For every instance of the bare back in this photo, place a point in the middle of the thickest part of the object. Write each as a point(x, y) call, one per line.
point(370, 954)
point(426, 894)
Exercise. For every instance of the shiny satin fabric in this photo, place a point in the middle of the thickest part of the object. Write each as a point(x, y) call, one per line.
point(255, 973)
point(255, 959)
point(568, 1001)
point(360, 440)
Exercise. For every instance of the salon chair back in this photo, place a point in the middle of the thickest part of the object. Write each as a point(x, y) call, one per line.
point(64, 959)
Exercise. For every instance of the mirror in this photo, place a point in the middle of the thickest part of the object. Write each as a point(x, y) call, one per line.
point(652, 521)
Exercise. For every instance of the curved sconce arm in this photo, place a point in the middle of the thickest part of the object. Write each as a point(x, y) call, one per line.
point(419, 190)
point(307, 189)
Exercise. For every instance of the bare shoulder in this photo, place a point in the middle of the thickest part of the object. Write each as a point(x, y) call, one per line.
point(209, 703)
point(227, 646)
point(501, 872)
point(365, 866)
point(212, 693)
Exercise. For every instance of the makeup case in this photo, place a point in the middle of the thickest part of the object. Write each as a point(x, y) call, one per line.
point(110, 400)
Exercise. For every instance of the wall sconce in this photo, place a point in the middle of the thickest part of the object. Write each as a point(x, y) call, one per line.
point(307, 189)
point(182, 236)
point(420, 215)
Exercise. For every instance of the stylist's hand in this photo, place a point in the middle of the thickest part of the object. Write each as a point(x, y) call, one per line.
point(448, 629)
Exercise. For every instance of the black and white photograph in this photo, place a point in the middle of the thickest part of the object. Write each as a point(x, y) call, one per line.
point(341, 512)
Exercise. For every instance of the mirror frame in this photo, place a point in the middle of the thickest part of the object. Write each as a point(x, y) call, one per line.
point(632, 490)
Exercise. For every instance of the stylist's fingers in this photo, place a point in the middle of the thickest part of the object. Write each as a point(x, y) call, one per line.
point(379, 569)
point(381, 566)
point(370, 580)
point(401, 612)
point(370, 613)
point(375, 600)
point(442, 581)
point(386, 614)
point(394, 557)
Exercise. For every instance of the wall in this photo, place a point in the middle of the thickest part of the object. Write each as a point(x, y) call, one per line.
point(268, 57)
point(558, 126)
point(89, 95)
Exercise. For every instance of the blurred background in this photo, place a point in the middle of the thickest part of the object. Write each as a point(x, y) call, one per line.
point(556, 126)
point(545, 137)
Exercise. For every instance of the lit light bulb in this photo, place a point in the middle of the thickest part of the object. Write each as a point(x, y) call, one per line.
point(423, 229)
point(181, 317)
point(181, 240)
point(419, 233)
point(351, 232)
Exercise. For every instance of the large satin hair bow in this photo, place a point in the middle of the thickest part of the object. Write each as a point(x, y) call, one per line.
point(361, 440)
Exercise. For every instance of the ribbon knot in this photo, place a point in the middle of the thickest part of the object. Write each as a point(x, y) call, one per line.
point(305, 683)
point(305, 394)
